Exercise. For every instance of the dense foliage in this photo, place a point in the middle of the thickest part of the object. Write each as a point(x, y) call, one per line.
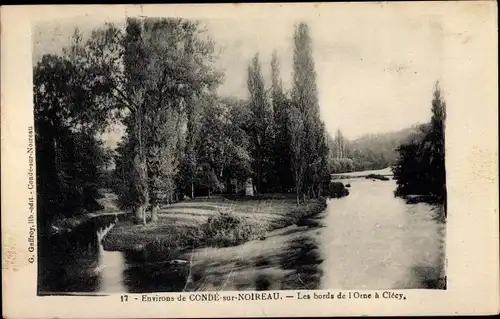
point(67, 120)
point(420, 169)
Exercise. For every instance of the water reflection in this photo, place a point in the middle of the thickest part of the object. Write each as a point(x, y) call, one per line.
point(67, 262)
point(153, 274)
point(111, 268)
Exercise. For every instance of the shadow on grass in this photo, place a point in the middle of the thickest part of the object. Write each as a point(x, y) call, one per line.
point(311, 221)
point(262, 282)
point(303, 258)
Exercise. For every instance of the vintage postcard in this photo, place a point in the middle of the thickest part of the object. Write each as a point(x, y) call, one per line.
point(250, 160)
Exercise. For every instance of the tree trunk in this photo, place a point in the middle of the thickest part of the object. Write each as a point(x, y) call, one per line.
point(298, 199)
point(138, 216)
point(192, 190)
point(154, 212)
point(144, 214)
point(259, 175)
point(209, 193)
point(140, 213)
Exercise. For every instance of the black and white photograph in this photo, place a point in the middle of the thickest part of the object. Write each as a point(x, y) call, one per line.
point(184, 155)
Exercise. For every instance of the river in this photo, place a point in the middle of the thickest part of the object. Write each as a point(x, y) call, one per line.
point(367, 240)
point(376, 241)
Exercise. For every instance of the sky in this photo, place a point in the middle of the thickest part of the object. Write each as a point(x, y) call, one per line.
point(375, 72)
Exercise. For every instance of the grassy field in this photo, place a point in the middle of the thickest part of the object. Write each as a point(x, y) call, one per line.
point(180, 226)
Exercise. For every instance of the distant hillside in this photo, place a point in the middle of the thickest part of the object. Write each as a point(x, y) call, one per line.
point(373, 151)
point(376, 151)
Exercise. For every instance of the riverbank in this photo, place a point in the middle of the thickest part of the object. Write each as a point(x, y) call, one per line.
point(215, 222)
point(386, 172)
point(109, 211)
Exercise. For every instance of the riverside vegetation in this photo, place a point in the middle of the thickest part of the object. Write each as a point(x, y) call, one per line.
point(185, 147)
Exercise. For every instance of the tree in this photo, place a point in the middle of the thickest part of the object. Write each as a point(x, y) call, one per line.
point(281, 147)
point(68, 118)
point(340, 145)
point(154, 70)
point(435, 145)
point(305, 99)
point(420, 169)
point(211, 147)
point(410, 170)
point(190, 159)
point(261, 125)
point(223, 146)
point(238, 161)
point(297, 148)
point(162, 157)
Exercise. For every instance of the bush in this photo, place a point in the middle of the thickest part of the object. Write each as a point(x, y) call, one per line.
point(225, 229)
point(337, 190)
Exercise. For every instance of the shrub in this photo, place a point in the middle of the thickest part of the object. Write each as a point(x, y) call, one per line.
point(337, 190)
point(225, 229)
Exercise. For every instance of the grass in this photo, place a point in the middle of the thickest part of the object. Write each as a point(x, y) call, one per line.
point(214, 222)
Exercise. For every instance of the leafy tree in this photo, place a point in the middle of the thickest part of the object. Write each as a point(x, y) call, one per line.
point(260, 126)
point(223, 146)
point(340, 145)
point(305, 99)
point(162, 158)
point(420, 169)
point(410, 170)
point(297, 148)
point(190, 159)
point(281, 147)
point(211, 147)
point(238, 161)
point(435, 145)
point(68, 119)
point(153, 70)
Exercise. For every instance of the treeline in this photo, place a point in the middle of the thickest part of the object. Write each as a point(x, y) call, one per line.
point(420, 168)
point(368, 152)
point(156, 77)
point(287, 136)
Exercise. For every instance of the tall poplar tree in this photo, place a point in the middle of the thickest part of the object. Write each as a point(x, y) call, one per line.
point(260, 126)
point(420, 168)
point(435, 144)
point(281, 148)
point(305, 99)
